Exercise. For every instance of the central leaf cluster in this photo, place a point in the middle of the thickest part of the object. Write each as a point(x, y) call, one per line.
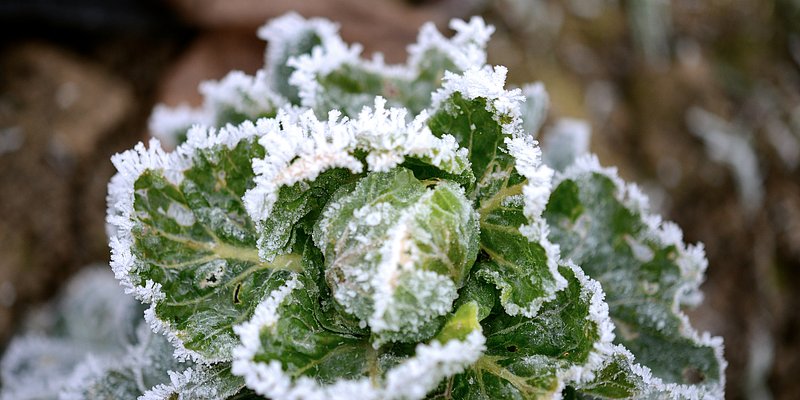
point(397, 250)
point(384, 232)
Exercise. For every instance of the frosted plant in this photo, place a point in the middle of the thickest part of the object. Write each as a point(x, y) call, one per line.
point(92, 343)
point(338, 228)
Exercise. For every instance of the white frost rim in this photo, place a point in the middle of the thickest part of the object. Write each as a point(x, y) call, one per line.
point(467, 49)
point(411, 379)
point(487, 83)
point(603, 348)
point(300, 148)
point(245, 94)
point(288, 29)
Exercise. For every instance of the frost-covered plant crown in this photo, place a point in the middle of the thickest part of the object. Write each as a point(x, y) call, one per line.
point(338, 228)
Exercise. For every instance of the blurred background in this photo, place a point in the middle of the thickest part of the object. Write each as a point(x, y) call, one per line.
point(697, 101)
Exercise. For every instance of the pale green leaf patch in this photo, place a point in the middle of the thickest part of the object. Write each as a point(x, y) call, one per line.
point(645, 269)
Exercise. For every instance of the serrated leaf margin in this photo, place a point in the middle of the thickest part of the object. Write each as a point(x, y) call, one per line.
point(692, 263)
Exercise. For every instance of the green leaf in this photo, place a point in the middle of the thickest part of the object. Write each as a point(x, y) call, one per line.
point(305, 347)
point(329, 313)
point(285, 329)
point(621, 377)
point(396, 251)
point(192, 245)
point(477, 291)
point(295, 204)
point(476, 129)
point(353, 87)
point(475, 108)
point(424, 171)
point(530, 358)
point(524, 271)
point(645, 269)
point(563, 329)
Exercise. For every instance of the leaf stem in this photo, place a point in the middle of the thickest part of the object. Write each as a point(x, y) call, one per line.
point(498, 197)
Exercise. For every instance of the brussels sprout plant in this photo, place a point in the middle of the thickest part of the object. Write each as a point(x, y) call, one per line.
point(338, 228)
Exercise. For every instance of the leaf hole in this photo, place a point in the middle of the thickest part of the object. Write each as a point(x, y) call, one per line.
point(512, 348)
point(236, 294)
